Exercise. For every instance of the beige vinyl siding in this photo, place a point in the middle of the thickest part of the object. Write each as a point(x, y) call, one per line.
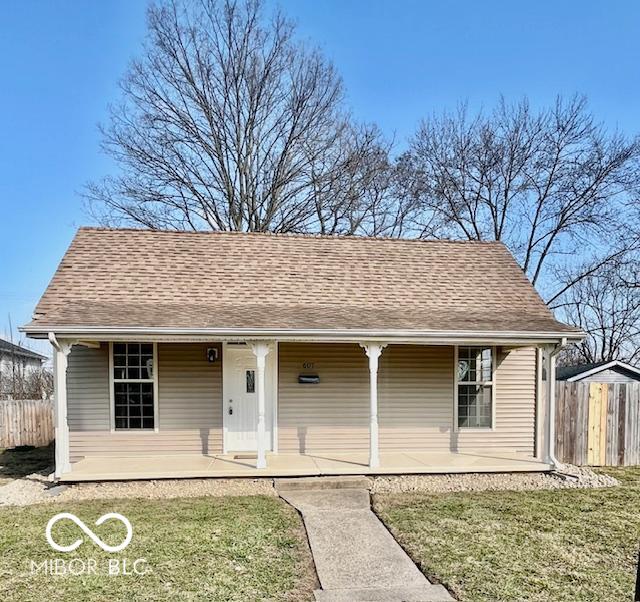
point(515, 380)
point(190, 387)
point(189, 404)
point(88, 389)
point(144, 443)
point(416, 397)
point(332, 415)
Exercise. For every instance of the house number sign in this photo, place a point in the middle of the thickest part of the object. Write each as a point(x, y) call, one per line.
point(307, 365)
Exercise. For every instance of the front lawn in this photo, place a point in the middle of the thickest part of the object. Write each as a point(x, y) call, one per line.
point(226, 549)
point(539, 545)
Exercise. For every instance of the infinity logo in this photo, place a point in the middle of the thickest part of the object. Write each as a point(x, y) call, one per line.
point(89, 532)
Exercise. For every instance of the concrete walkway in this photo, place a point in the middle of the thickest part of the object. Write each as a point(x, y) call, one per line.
point(356, 558)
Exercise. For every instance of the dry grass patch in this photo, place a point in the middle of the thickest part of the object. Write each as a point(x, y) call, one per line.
point(573, 545)
point(221, 549)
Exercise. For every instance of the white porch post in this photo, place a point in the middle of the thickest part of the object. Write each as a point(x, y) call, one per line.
point(261, 350)
point(373, 351)
point(550, 456)
point(541, 397)
point(61, 351)
point(549, 353)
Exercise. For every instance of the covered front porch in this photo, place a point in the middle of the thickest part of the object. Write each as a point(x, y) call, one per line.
point(121, 468)
point(366, 407)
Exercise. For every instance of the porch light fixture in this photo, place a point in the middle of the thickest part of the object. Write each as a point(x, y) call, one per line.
point(212, 354)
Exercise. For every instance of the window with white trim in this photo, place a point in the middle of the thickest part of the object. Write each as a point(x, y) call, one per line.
point(474, 376)
point(133, 386)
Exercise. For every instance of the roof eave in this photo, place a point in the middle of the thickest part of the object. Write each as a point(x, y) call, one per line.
point(25, 354)
point(328, 335)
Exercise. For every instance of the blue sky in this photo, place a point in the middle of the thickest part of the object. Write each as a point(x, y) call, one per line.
point(400, 59)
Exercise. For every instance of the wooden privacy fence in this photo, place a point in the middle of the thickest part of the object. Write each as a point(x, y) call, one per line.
point(26, 422)
point(598, 424)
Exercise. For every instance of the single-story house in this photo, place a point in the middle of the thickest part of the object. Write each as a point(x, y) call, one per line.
point(16, 361)
point(184, 354)
point(10, 353)
point(613, 371)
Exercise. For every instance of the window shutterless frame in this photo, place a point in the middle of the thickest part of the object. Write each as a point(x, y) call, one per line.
point(113, 381)
point(491, 383)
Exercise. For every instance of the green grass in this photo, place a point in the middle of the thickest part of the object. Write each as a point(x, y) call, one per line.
point(577, 545)
point(231, 549)
point(16, 463)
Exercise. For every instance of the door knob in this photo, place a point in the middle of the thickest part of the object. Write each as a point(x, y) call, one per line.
point(230, 411)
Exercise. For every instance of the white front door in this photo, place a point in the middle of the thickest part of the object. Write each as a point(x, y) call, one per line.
point(241, 403)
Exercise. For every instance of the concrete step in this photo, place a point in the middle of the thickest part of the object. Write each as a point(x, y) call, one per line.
point(327, 500)
point(321, 483)
point(426, 593)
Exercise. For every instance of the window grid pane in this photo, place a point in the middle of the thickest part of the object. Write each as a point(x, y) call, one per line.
point(474, 406)
point(134, 405)
point(133, 361)
point(133, 391)
point(475, 364)
point(475, 394)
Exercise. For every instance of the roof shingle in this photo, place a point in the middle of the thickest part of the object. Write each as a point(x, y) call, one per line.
point(143, 278)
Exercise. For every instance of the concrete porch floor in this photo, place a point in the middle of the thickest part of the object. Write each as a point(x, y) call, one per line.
point(120, 468)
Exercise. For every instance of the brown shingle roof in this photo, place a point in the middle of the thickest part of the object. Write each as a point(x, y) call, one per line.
point(141, 278)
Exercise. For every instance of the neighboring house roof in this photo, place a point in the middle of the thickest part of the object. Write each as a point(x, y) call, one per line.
point(7, 348)
point(576, 373)
point(228, 280)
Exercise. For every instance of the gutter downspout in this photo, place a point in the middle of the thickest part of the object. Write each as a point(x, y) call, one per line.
point(54, 341)
point(551, 388)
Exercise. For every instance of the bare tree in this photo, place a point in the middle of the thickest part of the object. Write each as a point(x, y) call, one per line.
point(227, 122)
point(22, 377)
point(553, 185)
point(21, 381)
point(608, 310)
point(362, 198)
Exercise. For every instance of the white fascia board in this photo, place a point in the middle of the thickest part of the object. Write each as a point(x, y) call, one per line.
point(321, 335)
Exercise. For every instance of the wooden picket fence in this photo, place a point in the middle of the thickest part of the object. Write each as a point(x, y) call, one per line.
point(598, 424)
point(26, 422)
